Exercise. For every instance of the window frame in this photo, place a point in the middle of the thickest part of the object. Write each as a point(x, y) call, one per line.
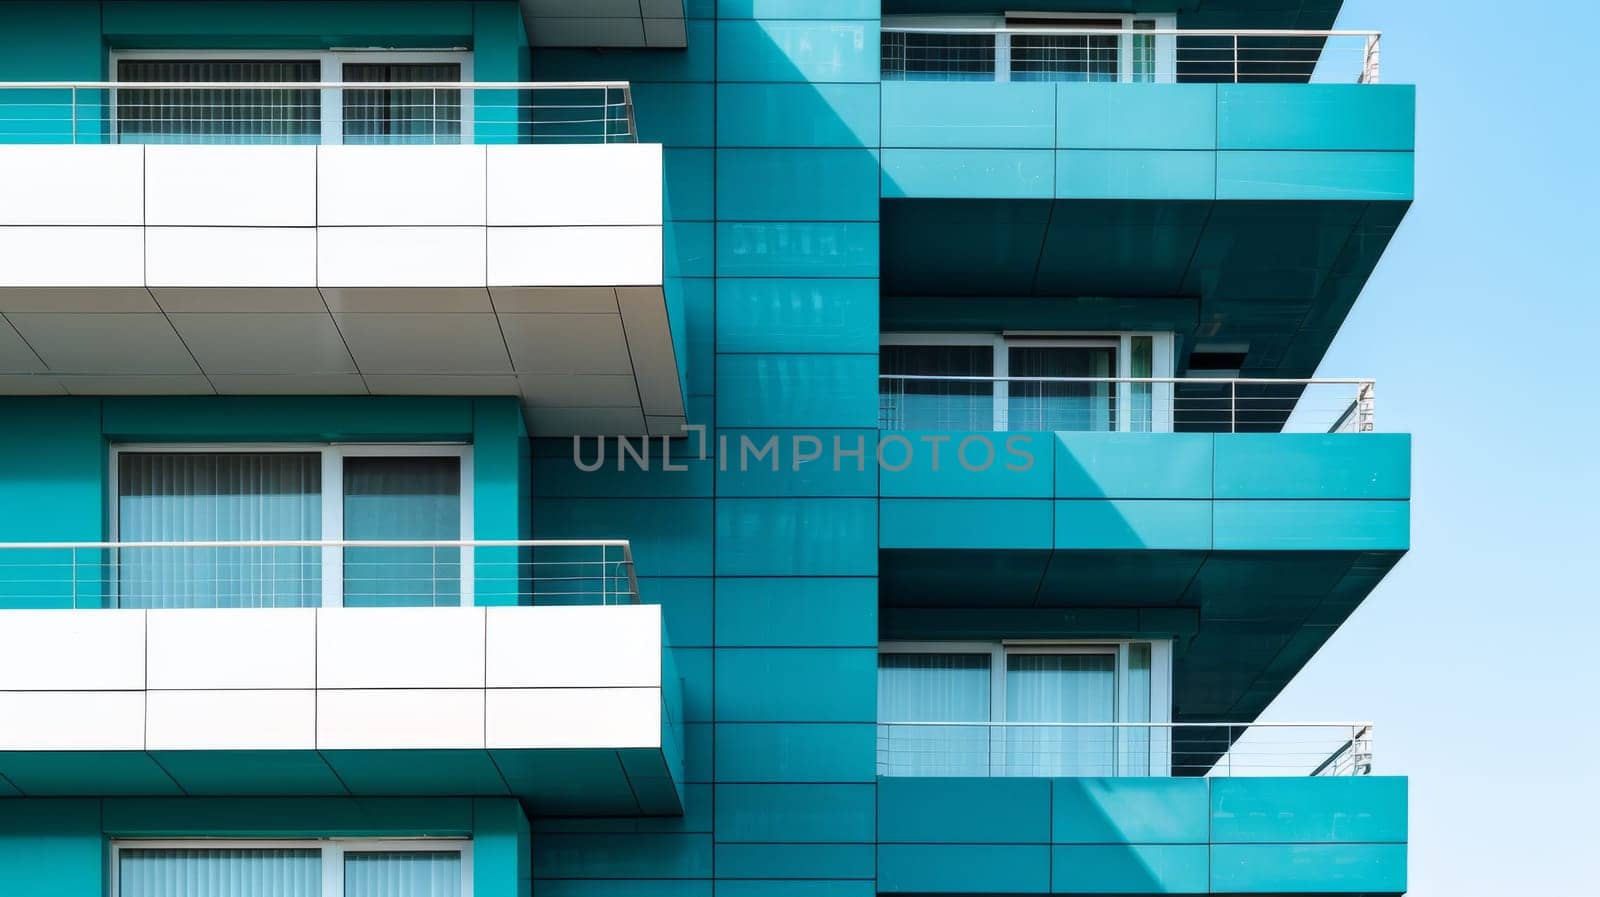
point(331, 849)
point(1002, 343)
point(333, 456)
point(332, 71)
point(999, 651)
point(1166, 45)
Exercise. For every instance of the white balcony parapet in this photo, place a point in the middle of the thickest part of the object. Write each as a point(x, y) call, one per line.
point(495, 700)
point(1128, 56)
point(297, 112)
point(316, 573)
point(1125, 404)
point(534, 271)
point(1126, 749)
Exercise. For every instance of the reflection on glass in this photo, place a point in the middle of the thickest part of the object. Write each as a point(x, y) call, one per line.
point(408, 873)
point(402, 499)
point(268, 872)
point(421, 116)
point(240, 114)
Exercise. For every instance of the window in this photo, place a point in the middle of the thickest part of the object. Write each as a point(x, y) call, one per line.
point(291, 494)
point(1023, 709)
point(1020, 382)
point(336, 868)
point(1030, 47)
point(287, 116)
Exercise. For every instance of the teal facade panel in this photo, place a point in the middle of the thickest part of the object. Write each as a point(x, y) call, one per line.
point(795, 752)
point(1308, 868)
point(797, 115)
point(969, 524)
point(964, 811)
point(1314, 466)
point(797, 612)
point(51, 847)
point(797, 391)
point(796, 315)
point(775, 685)
point(1312, 525)
point(1335, 809)
point(1373, 117)
point(1136, 174)
point(811, 50)
point(797, 184)
point(1133, 465)
point(968, 116)
point(964, 464)
point(811, 462)
point(963, 869)
point(1133, 524)
point(797, 249)
point(1129, 869)
point(796, 537)
point(768, 862)
point(1136, 116)
point(1314, 175)
point(794, 813)
point(968, 174)
point(1089, 811)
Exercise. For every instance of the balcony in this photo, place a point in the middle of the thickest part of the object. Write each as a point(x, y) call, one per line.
point(338, 668)
point(1236, 188)
point(319, 238)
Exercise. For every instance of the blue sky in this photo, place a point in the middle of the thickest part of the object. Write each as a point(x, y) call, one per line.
point(1477, 656)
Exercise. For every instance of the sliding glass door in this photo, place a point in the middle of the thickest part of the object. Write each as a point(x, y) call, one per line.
point(919, 689)
point(349, 493)
point(422, 867)
point(1071, 406)
point(1078, 688)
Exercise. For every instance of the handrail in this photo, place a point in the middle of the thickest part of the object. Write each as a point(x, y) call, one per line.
point(315, 572)
point(1140, 404)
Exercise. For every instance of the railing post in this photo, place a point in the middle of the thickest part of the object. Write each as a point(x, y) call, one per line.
point(1233, 407)
point(1236, 58)
point(605, 115)
point(1364, 407)
point(72, 98)
point(1369, 66)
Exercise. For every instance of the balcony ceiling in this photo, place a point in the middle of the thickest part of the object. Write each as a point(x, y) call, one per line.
point(1276, 276)
point(1283, 14)
point(605, 23)
point(1244, 622)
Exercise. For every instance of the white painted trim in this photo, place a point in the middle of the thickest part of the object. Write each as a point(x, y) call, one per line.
point(332, 849)
point(333, 456)
point(331, 71)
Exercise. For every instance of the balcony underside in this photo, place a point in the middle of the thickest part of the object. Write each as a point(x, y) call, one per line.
point(1244, 622)
point(1275, 278)
point(597, 782)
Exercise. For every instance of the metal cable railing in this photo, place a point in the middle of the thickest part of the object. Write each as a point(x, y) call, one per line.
point(1063, 750)
point(316, 573)
point(313, 113)
point(1139, 55)
point(1124, 404)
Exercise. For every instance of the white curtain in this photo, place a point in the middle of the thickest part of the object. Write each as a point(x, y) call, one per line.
point(218, 497)
point(922, 688)
point(220, 873)
point(1060, 688)
point(414, 873)
point(404, 499)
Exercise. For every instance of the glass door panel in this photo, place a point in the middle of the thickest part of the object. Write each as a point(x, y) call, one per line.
point(406, 873)
point(422, 116)
point(1059, 688)
point(1061, 406)
point(933, 688)
point(218, 115)
point(218, 497)
point(401, 499)
point(938, 404)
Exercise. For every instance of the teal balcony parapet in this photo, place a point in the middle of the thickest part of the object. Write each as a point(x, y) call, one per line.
point(1242, 835)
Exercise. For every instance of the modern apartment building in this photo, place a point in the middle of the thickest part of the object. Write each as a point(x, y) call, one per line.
point(950, 493)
